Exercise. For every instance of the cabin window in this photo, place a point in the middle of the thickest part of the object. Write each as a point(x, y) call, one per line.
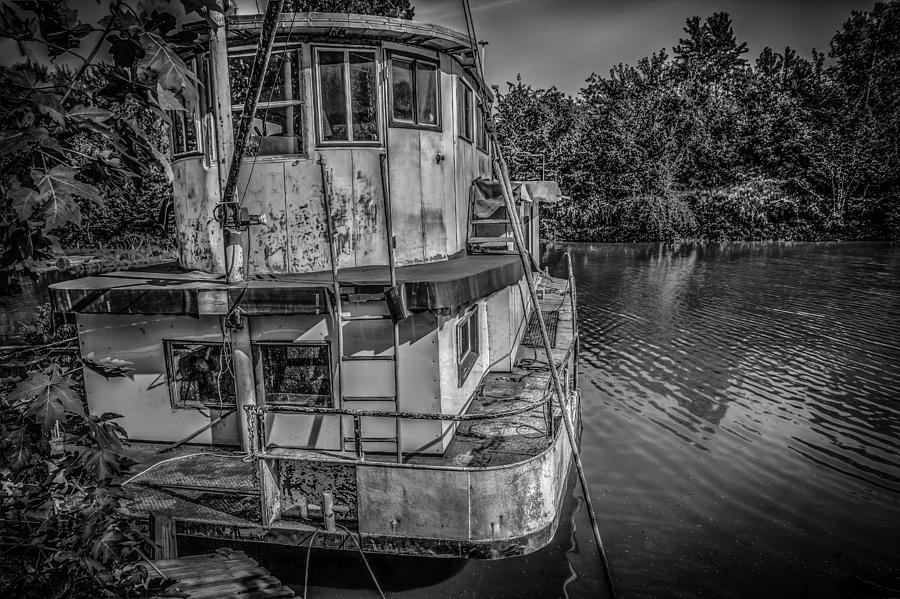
point(467, 343)
point(185, 125)
point(414, 92)
point(198, 375)
point(347, 96)
point(277, 126)
point(295, 373)
point(464, 110)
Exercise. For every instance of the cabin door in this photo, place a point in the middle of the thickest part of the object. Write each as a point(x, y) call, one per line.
point(416, 169)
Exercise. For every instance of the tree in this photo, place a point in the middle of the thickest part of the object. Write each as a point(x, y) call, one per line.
point(710, 53)
point(401, 9)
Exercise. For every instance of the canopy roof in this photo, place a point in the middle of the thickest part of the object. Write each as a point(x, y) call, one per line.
point(438, 286)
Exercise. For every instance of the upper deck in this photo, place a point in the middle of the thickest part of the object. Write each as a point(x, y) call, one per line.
point(362, 121)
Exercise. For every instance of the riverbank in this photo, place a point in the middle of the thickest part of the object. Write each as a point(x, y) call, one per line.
point(756, 210)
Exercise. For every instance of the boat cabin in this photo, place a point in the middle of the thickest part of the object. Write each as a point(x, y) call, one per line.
point(377, 275)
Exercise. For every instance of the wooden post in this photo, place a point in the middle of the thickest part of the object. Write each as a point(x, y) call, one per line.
point(162, 533)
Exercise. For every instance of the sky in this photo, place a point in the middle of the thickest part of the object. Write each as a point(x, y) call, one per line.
point(561, 42)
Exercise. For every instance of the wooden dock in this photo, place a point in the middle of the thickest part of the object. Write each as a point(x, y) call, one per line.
point(225, 574)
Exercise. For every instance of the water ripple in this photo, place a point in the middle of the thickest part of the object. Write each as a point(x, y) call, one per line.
point(744, 392)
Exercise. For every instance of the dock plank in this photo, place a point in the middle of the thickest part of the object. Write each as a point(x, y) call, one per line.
point(221, 575)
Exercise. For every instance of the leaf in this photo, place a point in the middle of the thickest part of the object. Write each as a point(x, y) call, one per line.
point(50, 396)
point(59, 25)
point(14, 141)
point(108, 367)
point(167, 100)
point(172, 73)
point(106, 548)
point(60, 211)
point(13, 26)
point(24, 199)
point(18, 448)
point(94, 114)
point(58, 189)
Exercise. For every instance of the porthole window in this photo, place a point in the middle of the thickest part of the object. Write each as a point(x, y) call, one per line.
point(414, 93)
point(347, 96)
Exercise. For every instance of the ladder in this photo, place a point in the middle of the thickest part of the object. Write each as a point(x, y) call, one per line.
point(367, 376)
point(491, 234)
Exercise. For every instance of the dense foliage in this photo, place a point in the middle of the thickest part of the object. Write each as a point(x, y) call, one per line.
point(701, 143)
point(401, 9)
point(63, 530)
point(72, 137)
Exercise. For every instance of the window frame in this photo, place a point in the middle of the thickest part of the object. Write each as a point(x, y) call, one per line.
point(414, 60)
point(256, 346)
point(297, 83)
point(470, 122)
point(471, 320)
point(317, 96)
point(171, 374)
point(481, 136)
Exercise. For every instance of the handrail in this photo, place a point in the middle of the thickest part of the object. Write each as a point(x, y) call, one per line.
point(281, 409)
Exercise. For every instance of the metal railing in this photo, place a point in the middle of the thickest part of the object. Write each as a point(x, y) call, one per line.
point(256, 413)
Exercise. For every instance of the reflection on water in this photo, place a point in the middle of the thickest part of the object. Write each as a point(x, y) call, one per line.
point(741, 416)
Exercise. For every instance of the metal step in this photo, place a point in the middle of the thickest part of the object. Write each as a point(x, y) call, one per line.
point(490, 221)
point(490, 241)
point(366, 358)
point(366, 317)
point(372, 440)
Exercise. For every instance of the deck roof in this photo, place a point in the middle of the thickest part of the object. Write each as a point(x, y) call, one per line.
point(436, 286)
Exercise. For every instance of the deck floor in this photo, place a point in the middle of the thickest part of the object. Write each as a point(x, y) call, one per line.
point(212, 484)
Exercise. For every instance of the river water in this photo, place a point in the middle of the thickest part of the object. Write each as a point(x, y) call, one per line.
point(741, 434)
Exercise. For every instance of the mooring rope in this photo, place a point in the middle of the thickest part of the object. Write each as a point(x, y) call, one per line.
point(501, 170)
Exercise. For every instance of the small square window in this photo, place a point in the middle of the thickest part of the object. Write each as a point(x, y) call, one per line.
point(467, 343)
point(198, 375)
point(294, 373)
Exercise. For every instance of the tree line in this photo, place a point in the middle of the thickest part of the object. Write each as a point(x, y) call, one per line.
point(700, 143)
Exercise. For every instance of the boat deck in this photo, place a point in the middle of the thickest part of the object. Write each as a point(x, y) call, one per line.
point(207, 484)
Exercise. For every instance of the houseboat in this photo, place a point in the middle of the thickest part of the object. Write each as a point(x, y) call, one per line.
point(349, 347)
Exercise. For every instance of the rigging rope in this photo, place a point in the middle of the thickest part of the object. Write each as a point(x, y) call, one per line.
point(503, 174)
